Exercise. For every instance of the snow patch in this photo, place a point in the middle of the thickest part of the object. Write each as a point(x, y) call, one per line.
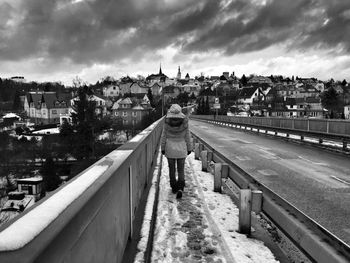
point(146, 225)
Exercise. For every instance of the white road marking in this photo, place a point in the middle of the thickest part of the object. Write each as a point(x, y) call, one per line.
point(267, 152)
point(270, 157)
point(340, 180)
point(267, 172)
point(240, 140)
point(317, 163)
point(243, 158)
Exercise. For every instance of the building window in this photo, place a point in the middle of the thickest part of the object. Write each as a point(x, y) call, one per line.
point(134, 113)
point(116, 113)
point(54, 111)
point(125, 113)
point(125, 122)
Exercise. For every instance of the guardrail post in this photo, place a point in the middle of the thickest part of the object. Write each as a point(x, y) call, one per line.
point(224, 170)
point(301, 137)
point(256, 201)
point(204, 158)
point(209, 156)
point(244, 211)
point(196, 151)
point(217, 177)
point(320, 140)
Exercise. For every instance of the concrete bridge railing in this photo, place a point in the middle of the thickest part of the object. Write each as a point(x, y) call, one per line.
point(336, 130)
point(325, 126)
point(90, 219)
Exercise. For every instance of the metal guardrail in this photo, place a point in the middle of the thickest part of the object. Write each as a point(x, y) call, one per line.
point(314, 240)
point(336, 130)
point(89, 219)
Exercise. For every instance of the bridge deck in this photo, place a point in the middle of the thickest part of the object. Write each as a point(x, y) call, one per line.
point(202, 226)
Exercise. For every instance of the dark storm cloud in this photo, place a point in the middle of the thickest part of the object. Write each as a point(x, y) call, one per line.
point(103, 30)
point(335, 30)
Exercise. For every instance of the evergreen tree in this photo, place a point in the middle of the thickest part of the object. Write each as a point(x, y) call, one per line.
point(150, 97)
point(344, 83)
point(84, 121)
point(17, 105)
point(207, 107)
point(331, 101)
point(244, 80)
point(50, 176)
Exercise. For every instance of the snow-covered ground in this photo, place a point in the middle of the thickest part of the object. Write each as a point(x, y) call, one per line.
point(48, 131)
point(200, 227)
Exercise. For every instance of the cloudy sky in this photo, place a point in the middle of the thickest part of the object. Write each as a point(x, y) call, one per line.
point(56, 40)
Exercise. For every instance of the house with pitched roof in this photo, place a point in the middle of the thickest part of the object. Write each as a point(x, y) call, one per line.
point(171, 92)
point(157, 78)
point(101, 104)
point(46, 107)
point(137, 88)
point(156, 89)
point(111, 91)
point(248, 94)
point(130, 112)
point(260, 80)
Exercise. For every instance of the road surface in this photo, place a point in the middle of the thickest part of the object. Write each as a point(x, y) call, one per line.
point(314, 180)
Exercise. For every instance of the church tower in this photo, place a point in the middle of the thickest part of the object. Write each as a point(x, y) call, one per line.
point(178, 74)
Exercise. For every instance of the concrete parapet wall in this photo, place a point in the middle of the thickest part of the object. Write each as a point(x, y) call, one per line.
point(327, 127)
point(90, 219)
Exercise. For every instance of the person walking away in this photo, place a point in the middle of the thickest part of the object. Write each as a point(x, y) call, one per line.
point(176, 145)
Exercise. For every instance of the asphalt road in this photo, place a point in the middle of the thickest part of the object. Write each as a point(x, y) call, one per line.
point(314, 180)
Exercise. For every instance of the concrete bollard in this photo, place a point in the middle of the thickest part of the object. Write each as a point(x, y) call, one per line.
point(244, 224)
point(204, 159)
point(196, 151)
point(217, 177)
point(256, 201)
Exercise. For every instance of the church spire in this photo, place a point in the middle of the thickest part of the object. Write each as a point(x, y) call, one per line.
point(160, 69)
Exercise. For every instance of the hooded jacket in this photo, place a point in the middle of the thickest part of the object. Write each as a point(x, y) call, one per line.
point(175, 140)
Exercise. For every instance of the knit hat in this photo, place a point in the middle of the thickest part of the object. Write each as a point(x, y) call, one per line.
point(175, 112)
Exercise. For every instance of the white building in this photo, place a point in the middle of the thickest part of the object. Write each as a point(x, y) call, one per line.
point(111, 91)
point(45, 107)
point(347, 111)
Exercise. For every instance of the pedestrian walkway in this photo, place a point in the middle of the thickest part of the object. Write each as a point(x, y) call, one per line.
point(202, 226)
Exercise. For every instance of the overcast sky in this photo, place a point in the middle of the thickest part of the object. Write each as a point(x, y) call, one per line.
point(56, 40)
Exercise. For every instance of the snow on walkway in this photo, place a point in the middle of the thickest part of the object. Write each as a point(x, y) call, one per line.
point(202, 226)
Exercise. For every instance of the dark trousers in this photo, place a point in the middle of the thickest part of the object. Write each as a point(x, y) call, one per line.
point(178, 184)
